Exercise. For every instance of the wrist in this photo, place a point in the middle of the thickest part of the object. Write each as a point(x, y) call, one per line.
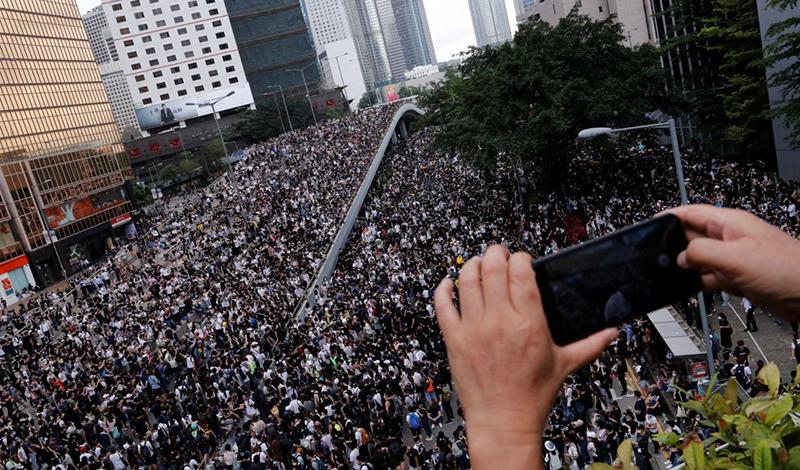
point(496, 447)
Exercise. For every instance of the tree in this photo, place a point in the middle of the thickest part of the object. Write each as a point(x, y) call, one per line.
point(140, 195)
point(733, 31)
point(364, 102)
point(524, 102)
point(264, 123)
point(786, 49)
point(168, 173)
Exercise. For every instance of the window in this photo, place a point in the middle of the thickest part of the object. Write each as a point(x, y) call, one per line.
point(203, 39)
point(164, 35)
point(230, 69)
point(211, 1)
point(233, 80)
point(160, 23)
point(227, 58)
point(136, 3)
point(186, 43)
point(216, 23)
point(139, 78)
point(188, 54)
point(156, 11)
point(147, 101)
point(195, 16)
point(127, 42)
point(216, 84)
point(206, 50)
point(171, 58)
point(161, 85)
point(138, 15)
point(142, 27)
point(213, 73)
point(143, 89)
point(150, 50)
point(178, 81)
point(210, 61)
point(196, 77)
point(147, 39)
point(178, 19)
point(132, 55)
point(213, 12)
point(601, 8)
point(136, 66)
point(181, 31)
point(175, 8)
point(193, 66)
point(181, 92)
point(116, 7)
point(220, 34)
point(158, 73)
point(199, 27)
point(174, 70)
point(154, 62)
point(164, 97)
point(168, 47)
point(199, 88)
point(223, 46)
point(120, 19)
point(192, 4)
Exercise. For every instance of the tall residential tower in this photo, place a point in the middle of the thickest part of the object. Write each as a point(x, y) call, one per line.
point(490, 22)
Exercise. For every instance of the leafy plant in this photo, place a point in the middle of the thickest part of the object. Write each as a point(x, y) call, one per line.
point(762, 433)
point(624, 459)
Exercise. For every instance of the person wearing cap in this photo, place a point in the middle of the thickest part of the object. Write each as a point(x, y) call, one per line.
point(551, 458)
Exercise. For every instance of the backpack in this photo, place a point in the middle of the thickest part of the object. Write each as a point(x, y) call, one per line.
point(413, 420)
point(364, 436)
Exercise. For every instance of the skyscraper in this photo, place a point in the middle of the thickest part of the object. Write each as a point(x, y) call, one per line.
point(523, 9)
point(415, 34)
point(62, 167)
point(490, 22)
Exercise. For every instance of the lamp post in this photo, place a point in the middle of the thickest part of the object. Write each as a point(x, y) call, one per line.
point(341, 77)
point(212, 104)
point(277, 108)
point(305, 84)
point(676, 154)
point(286, 108)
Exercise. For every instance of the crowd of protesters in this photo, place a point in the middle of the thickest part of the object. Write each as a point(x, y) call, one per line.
point(194, 355)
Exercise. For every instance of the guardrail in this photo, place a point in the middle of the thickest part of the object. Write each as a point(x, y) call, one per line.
point(340, 241)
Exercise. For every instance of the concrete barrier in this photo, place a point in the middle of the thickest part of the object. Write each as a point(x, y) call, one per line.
point(397, 127)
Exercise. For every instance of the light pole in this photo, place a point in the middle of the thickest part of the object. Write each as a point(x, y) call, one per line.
point(676, 154)
point(305, 84)
point(286, 108)
point(277, 108)
point(341, 77)
point(212, 104)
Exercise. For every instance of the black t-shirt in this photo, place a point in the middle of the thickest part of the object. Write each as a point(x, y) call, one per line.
point(741, 353)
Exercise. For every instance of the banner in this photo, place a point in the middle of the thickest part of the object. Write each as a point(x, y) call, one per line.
point(175, 111)
point(72, 211)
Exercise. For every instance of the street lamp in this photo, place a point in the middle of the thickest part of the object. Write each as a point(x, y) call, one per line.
point(277, 108)
point(341, 77)
point(286, 108)
point(212, 104)
point(676, 153)
point(305, 84)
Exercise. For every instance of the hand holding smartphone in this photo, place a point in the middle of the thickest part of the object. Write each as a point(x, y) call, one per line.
point(613, 279)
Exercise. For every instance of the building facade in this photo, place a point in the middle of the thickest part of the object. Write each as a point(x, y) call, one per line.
point(99, 34)
point(273, 38)
point(177, 57)
point(62, 166)
point(490, 22)
point(415, 34)
point(523, 9)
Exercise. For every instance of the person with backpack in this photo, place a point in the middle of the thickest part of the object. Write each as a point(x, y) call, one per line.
point(414, 423)
point(552, 460)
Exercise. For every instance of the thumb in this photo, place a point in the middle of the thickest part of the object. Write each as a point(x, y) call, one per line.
point(580, 353)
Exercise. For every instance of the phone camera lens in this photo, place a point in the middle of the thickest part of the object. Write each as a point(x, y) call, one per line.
point(663, 261)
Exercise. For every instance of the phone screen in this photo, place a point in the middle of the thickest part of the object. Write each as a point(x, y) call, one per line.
point(613, 279)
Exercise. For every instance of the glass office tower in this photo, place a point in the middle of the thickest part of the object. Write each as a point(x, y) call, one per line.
point(62, 166)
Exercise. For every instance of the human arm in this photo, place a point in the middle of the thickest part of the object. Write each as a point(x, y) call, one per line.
point(737, 252)
point(505, 365)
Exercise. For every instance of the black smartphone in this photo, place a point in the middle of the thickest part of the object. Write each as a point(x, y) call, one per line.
point(610, 280)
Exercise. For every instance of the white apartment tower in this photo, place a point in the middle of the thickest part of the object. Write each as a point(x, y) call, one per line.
point(177, 55)
point(106, 56)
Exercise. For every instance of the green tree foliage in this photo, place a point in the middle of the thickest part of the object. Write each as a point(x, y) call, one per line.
point(733, 31)
point(140, 195)
point(168, 173)
point(761, 433)
point(264, 123)
point(364, 102)
point(409, 91)
point(786, 49)
point(525, 101)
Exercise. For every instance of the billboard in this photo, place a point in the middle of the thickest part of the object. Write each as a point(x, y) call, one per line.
point(69, 212)
point(174, 111)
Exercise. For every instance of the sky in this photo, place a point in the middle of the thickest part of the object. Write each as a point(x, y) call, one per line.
point(449, 21)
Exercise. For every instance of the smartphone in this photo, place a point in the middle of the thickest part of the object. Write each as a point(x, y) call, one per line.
point(613, 279)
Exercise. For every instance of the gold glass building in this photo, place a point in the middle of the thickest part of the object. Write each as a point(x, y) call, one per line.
point(62, 166)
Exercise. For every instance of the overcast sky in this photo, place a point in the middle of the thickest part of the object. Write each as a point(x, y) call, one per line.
point(450, 23)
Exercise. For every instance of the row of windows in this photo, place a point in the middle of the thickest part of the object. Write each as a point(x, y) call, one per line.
point(27, 209)
point(159, 23)
point(37, 121)
point(174, 58)
point(191, 66)
point(35, 144)
point(138, 3)
point(170, 46)
point(47, 96)
point(32, 48)
point(49, 71)
point(165, 34)
point(63, 8)
point(12, 22)
point(197, 89)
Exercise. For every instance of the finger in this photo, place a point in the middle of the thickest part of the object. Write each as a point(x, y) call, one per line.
point(470, 295)
point(576, 355)
point(523, 290)
point(494, 277)
point(446, 313)
point(693, 234)
point(709, 255)
point(714, 222)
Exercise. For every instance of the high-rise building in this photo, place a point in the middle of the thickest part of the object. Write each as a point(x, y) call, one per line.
point(111, 72)
point(178, 57)
point(490, 22)
point(415, 34)
point(328, 21)
point(523, 9)
point(62, 166)
point(273, 38)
